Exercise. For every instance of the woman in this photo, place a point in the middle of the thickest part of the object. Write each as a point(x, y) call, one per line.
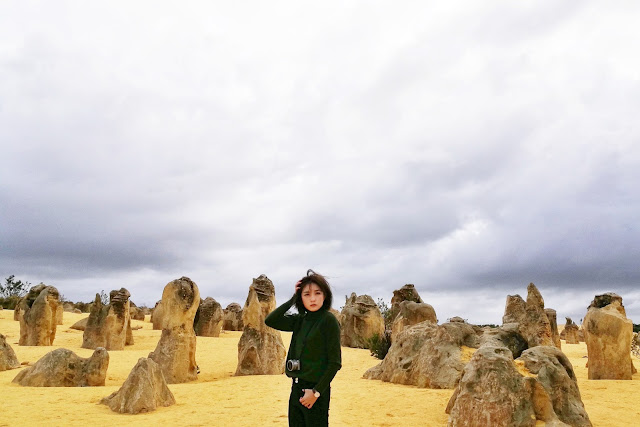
point(314, 353)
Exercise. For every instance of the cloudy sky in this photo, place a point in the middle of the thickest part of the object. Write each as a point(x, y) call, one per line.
point(467, 147)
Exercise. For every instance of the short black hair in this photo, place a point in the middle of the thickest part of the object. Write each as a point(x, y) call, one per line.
point(321, 281)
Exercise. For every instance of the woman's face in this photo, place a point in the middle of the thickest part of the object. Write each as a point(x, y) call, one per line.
point(312, 297)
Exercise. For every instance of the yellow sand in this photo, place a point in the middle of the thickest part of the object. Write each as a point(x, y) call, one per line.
point(219, 398)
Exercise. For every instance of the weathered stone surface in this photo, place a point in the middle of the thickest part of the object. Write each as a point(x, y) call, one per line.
point(63, 368)
point(8, 359)
point(571, 332)
point(508, 335)
point(406, 293)
point(635, 345)
point(59, 314)
point(80, 325)
point(176, 350)
point(410, 313)
point(68, 306)
point(608, 335)
point(553, 322)
point(260, 349)
point(361, 320)
point(156, 316)
point(533, 324)
point(109, 326)
point(209, 318)
point(555, 373)
point(492, 392)
point(144, 390)
point(37, 316)
point(337, 315)
point(136, 314)
point(427, 355)
point(232, 317)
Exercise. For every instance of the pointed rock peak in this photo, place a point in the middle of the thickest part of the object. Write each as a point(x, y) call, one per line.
point(534, 297)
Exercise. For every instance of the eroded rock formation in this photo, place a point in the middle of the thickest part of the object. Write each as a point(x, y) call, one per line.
point(608, 334)
point(533, 324)
point(135, 312)
point(260, 349)
point(109, 326)
point(406, 293)
point(494, 392)
point(410, 313)
point(427, 355)
point(233, 317)
point(209, 318)
point(176, 350)
point(59, 314)
point(156, 316)
point(554, 371)
point(553, 322)
point(571, 332)
point(361, 320)
point(63, 368)
point(8, 359)
point(80, 325)
point(143, 391)
point(37, 315)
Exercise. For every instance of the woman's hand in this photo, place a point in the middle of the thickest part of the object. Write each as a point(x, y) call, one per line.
point(308, 399)
point(297, 286)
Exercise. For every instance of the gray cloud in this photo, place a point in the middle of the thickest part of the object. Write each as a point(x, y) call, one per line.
point(468, 151)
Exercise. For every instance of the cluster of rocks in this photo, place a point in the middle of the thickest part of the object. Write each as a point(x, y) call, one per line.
point(514, 374)
point(260, 349)
point(530, 318)
point(495, 390)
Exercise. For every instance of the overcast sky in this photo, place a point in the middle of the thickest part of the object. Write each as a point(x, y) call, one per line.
point(467, 147)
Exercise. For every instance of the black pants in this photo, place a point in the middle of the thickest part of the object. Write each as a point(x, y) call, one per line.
point(300, 416)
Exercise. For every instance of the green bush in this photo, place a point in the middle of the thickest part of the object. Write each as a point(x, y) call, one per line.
point(10, 302)
point(379, 345)
point(636, 328)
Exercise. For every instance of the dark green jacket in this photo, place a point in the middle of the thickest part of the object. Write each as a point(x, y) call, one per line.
point(321, 356)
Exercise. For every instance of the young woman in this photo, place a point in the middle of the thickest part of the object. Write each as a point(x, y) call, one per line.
point(314, 354)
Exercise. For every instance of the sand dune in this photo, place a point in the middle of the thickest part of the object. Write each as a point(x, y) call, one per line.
point(219, 398)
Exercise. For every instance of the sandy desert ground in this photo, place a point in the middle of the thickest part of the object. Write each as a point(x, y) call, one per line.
point(219, 398)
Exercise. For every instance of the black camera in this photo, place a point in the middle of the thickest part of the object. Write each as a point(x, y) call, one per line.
point(293, 365)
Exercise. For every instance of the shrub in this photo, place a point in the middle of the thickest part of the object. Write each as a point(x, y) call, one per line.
point(13, 287)
point(9, 303)
point(388, 314)
point(379, 345)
